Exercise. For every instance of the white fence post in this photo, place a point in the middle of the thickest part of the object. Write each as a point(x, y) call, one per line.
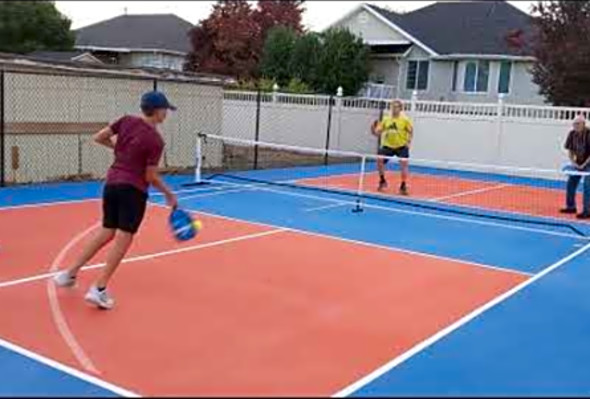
point(413, 101)
point(499, 122)
point(338, 110)
point(275, 90)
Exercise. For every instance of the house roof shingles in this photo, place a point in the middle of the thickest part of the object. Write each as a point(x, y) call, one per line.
point(465, 27)
point(153, 32)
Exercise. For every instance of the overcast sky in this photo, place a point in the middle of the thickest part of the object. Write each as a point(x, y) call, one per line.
point(318, 14)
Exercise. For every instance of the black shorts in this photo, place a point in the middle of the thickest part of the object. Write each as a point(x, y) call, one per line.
point(401, 152)
point(123, 207)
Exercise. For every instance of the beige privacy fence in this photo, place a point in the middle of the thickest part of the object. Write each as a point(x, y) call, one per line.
point(48, 121)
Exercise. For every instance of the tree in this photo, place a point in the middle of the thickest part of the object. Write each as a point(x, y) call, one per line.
point(272, 13)
point(230, 41)
point(277, 53)
point(343, 61)
point(227, 42)
point(26, 26)
point(305, 58)
point(561, 46)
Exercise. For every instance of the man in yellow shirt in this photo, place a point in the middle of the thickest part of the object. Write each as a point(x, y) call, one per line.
point(395, 132)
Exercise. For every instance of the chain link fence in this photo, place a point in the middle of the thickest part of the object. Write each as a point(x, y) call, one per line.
point(47, 121)
point(310, 121)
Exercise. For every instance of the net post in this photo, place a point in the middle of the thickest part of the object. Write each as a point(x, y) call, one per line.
point(328, 128)
point(359, 192)
point(2, 130)
point(199, 163)
point(257, 128)
point(198, 179)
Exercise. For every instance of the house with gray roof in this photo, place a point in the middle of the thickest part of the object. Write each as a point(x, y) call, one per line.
point(138, 41)
point(65, 56)
point(448, 51)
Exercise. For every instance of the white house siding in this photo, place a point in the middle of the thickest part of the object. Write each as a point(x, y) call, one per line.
point(365, 25)
point(522, 89)
point(384, 68)
point(152, 60)
point(416, 53)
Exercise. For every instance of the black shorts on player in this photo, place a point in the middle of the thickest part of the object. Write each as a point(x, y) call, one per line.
point(123, 207)
point(401, 152)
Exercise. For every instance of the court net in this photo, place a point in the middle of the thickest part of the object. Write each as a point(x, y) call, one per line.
point(512, 195)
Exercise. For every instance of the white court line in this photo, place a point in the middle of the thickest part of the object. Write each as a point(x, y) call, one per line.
point(196, 190)
point(470, 192)
point(152, 255)
point(45, 204)
point(68, 370)
point(362, 243)
point(57, 315)
point(449, 329)
point(427, 214)
point(324, 207)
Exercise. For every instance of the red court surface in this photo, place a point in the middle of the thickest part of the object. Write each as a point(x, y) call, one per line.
point(48, 229)
point(265, 315)
point(528, 200)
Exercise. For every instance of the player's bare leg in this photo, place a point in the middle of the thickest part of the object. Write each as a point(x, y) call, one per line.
point(102, 237)
point(381, 168)
point(97, 293)
point(405, 171)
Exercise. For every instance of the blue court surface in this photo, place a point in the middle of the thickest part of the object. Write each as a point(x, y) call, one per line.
point(516, 322)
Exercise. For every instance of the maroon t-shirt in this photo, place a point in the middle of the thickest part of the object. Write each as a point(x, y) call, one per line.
point(138, 146)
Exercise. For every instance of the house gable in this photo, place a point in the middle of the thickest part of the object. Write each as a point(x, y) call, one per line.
point(370, 28)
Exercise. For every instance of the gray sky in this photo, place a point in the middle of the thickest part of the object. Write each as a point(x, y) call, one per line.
point(318, 14)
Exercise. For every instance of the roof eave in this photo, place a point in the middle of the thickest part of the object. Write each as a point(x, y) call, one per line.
point(408, 36)
point(344, 17)
point(86, 54)
point(458, 56)
point(390, 24)
point(129, 50)
point(386, 42)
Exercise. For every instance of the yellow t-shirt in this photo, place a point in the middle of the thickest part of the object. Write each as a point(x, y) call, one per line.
point(396, 131)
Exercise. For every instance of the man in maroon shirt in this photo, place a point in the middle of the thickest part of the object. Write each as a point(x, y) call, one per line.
point(138, 148)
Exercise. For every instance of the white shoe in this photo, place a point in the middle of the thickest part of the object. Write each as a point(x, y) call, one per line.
point(63, 279)
point(99, 298)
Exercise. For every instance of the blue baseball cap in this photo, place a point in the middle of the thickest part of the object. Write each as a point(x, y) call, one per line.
point(155, 100)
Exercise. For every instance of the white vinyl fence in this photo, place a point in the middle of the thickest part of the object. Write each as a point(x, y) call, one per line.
point(491, 134)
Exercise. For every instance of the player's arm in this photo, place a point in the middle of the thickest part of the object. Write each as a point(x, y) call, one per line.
point(570, 150)
point(410, 133)
point(572, 157)
point(376, 128)
point(152, 174)
point(585, 164)
point(153, 177)
point(105, 137)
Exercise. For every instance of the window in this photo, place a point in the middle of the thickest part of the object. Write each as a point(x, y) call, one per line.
point(477, 75)
point(455, 71)
point(417, 77)
point(504, 77)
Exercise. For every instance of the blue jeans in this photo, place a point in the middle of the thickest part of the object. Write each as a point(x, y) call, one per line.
point(572, 186)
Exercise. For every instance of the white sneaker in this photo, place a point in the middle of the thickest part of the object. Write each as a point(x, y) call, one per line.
point(63, 279)
point(99, 298)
